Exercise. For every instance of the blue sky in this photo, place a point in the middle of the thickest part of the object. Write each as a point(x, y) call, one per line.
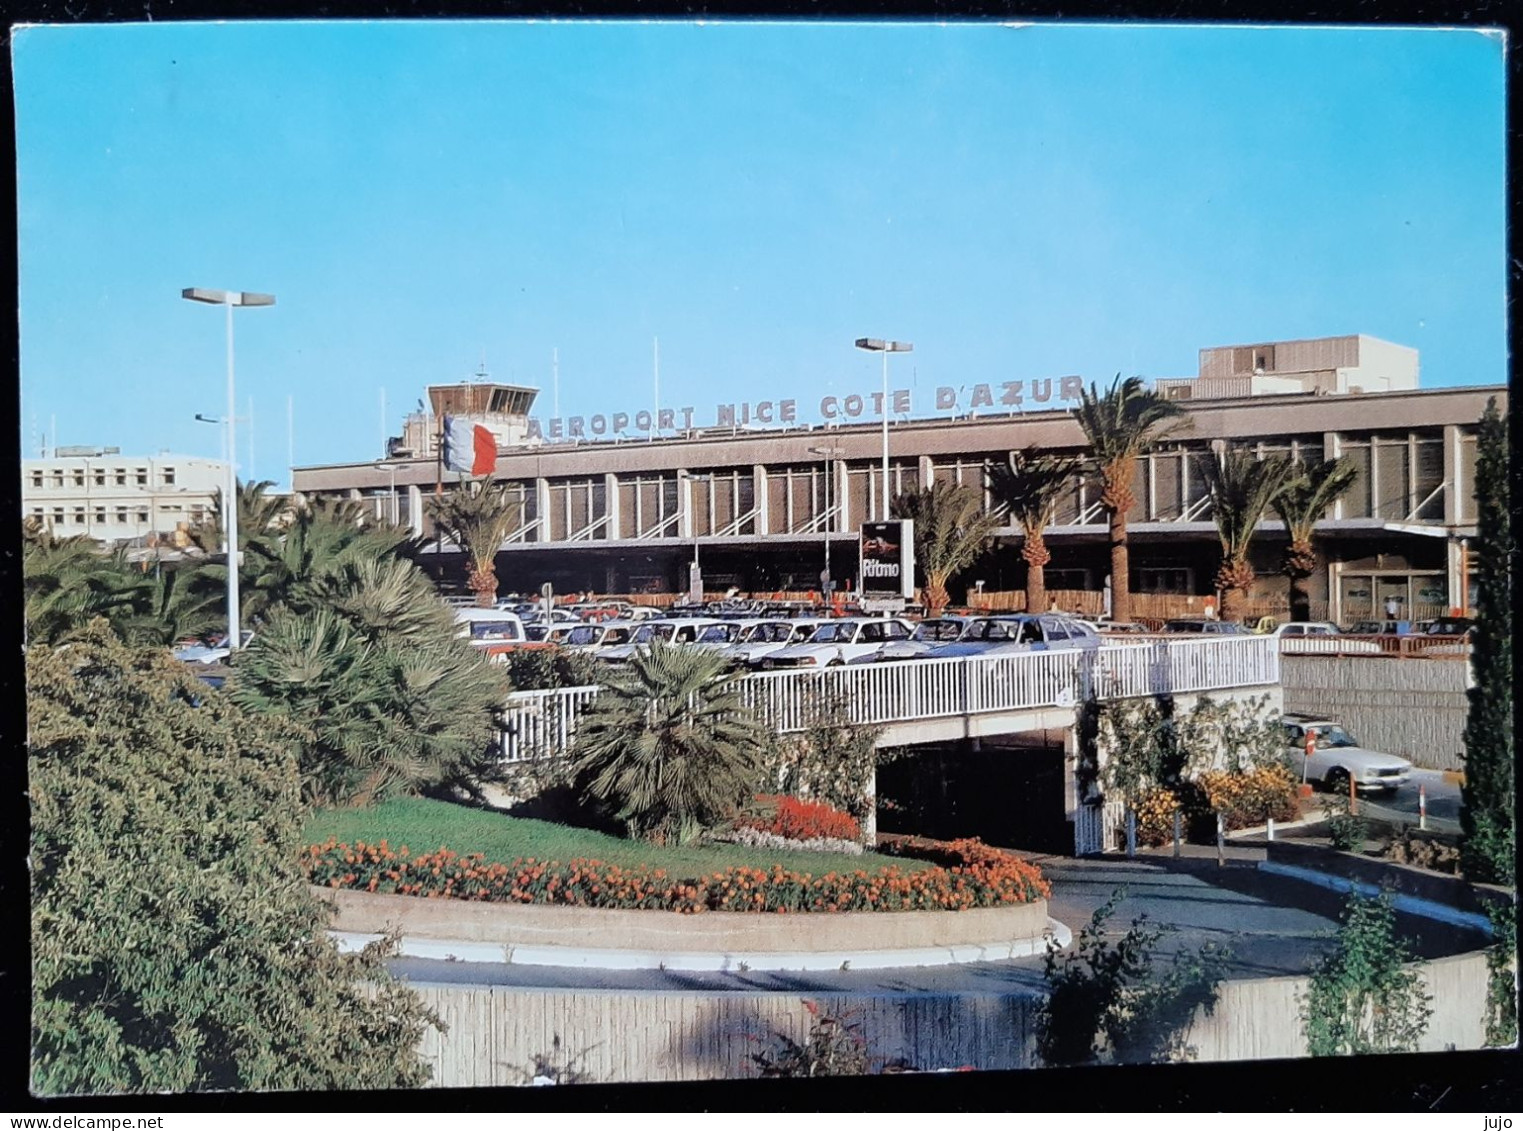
point(1019, 202)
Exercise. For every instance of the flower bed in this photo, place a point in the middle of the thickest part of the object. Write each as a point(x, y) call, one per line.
point(977, 876)
point(793, 818)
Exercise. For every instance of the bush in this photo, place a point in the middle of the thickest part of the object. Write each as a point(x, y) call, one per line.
point(795, 819)
point(835, 1047)
point(1252, 796)
point(981, 877)
point(175, 946)
point(545, 669)
point(1408, 847)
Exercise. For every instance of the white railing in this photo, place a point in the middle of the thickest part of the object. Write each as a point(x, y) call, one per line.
point(542, 723)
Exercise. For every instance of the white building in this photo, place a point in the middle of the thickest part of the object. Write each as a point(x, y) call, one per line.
point(115, 498)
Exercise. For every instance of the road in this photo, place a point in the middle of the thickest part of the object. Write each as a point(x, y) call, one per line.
point(1443, 799)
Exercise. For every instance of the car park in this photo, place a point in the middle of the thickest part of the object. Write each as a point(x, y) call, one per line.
point(1019, 632)
point(765, 637)
point(1319, 636)
point(1337, 758)
point(673, 630)
point(494, 631)
point(597, 635)
point(1206, 627)
point(928, 634)
point(836, 642)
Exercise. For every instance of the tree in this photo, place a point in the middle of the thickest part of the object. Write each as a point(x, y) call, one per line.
point(1362, 998)
point(384, 709)
point(66, 583)
point(1317, 485)
point(479, 515)
point(1487, 850)
point(1242, 489)
point(175, 944)
point(170, 605)
point(951, 530)
point(669, 744)
point(259, 513)
point(1121, 424)
point(1029, 486)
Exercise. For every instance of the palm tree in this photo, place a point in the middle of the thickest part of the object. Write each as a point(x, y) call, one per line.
point(669, 744)
point(67, 582)
point(1242, 489)
point(951, 530)
point(1319, 484)
point(259, 513)
point(1122, 424)
point(479, 515)
point(170, 605)
point(1029, 487)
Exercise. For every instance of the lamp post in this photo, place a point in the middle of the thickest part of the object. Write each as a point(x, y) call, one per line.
point(884, 347)
point(829, 454)
point(228, 300)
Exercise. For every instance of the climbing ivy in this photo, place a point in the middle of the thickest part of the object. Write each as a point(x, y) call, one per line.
point(1363, 998)
point(1501, 981)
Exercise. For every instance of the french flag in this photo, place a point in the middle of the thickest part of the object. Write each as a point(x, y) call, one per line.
point(470, 449)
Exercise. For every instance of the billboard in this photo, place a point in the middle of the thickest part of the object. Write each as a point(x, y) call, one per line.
point(886, 560)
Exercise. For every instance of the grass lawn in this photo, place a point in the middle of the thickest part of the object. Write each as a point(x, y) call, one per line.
point(425, 825)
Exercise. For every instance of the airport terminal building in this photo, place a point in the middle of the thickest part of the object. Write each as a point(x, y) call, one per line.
point(625, 502)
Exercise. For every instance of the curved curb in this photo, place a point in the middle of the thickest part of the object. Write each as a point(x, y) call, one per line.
point(459, 950)
point(1409, 904)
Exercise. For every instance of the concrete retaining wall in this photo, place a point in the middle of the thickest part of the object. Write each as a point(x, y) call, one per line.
point(1412, 707)
point(664, 936)
point(496, 1032)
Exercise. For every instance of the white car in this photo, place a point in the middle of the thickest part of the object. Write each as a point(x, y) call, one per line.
point(594, 637)
point(928, 634)
point(1019, 632)
point(725, 635)
point(493, 631)
point(1338, 759)
point(768, 636)
point(836, 642)
point(216, 652)
point(1318, 636)
point(683, 630)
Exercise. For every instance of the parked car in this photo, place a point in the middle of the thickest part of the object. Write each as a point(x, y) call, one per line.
point(928, 634)
point(215, 651)
point(1319, 636)
point(494, 631)
point(1382, 628)
point(768, 636)
point(1019, 632)
point(1206, 627)
point(675, 630)
point(1121, 628)
point(841, 641)
point(597, 635)
point(1338, 758)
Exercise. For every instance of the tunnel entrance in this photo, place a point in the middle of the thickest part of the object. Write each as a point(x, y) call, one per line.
point(1009, 793)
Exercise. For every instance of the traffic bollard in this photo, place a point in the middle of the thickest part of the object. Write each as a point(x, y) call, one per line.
point(1221, 843)
point(1131, 832)
point(1353, 798)
point(1178, 820)
point(1270, 835)
point(1422, 806)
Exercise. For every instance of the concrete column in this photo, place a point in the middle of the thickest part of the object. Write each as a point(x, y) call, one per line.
point(1456, 582)
point(870, 818)
point(542, 507)
point(1070, 763)
point(759, 497)
point(684, 504)
point(415, 509)
point(1451, 477)
point(927, 472)
point(841, 497)
point(1335, 592)
point(611, 505)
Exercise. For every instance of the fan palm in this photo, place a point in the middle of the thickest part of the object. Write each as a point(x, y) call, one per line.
point(1242, 489)
point(669, 744)
point(1029, 487)
point(171, 605)
point(1121, 424)
point(66, 582)
point(1319, 484)
point(479, 515)
point(951, 530)
point(259, 513)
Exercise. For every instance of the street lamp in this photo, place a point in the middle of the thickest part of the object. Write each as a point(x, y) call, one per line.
point(829, 454)
point(230, 299)
point(884, 347)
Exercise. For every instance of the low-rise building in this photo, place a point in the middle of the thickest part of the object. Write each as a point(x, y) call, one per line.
point(115, 499)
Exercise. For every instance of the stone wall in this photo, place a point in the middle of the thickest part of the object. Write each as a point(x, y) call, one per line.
point(1408, 706)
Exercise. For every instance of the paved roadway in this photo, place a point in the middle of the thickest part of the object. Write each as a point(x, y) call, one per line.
point(1272, 925)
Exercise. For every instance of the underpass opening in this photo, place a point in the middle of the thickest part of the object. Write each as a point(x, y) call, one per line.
point(1007, 791)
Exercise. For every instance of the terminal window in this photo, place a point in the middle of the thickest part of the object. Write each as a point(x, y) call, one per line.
point(36, 479)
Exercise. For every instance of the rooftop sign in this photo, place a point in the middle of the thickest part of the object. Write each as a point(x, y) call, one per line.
point(1003, 396)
